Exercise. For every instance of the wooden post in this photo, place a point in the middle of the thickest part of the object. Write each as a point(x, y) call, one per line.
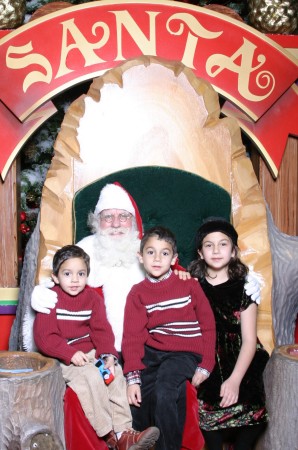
point(281, 387)
point(8, 253)
point(8, 227)
point(282, 194)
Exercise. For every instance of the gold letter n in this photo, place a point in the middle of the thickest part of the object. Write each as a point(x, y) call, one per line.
point(147, 46)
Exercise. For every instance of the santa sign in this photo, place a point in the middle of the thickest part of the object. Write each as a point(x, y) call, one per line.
point(59, 50)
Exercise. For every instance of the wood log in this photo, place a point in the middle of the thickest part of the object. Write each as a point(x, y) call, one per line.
point(281, 387)
point(31, 402)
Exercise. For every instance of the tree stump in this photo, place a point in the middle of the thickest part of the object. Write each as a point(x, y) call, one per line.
point(31, 402)
point(281, 387)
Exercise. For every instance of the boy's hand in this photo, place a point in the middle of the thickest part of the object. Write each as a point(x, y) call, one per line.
point(134, 395)
point(198, 378)
point(110, 363)
point(79, 359)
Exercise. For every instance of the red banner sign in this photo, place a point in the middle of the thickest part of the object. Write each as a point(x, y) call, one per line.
point(44, 57)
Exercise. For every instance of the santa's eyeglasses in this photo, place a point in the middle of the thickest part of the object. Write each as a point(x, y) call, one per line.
point(109, 218)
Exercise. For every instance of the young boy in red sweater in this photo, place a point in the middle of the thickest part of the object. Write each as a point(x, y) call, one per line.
point(78, 333)
point(169, 338)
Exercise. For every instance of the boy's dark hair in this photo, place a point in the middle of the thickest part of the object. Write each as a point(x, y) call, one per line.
point(67, 252)
point(236, 268)
point(161, 233)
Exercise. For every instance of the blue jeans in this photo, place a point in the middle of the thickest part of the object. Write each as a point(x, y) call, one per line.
point(164, 394)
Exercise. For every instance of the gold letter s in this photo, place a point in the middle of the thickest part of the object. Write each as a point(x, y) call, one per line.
point(31, 58)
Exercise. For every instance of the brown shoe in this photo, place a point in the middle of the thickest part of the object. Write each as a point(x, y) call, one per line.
point(138, 440)
point(111, 440)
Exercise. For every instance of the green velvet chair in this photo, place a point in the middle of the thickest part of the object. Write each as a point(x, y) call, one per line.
point(165, 196)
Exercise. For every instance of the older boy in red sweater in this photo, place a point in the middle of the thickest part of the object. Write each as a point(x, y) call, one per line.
point(169, 338)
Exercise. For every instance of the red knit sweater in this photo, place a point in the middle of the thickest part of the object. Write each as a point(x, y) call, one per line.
point(76, 323)
point(171, 315)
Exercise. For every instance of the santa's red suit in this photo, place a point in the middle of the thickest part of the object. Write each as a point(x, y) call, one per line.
point(114, 283)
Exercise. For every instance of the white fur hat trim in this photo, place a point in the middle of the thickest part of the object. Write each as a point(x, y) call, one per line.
point(114, 197)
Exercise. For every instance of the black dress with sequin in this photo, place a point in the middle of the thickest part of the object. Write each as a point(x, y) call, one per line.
point(228, 300)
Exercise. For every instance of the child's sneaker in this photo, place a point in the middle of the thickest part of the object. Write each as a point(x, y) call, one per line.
point(111, 440)
point(138, 440)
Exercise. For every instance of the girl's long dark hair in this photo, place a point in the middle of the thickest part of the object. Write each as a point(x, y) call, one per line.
point(236, 268)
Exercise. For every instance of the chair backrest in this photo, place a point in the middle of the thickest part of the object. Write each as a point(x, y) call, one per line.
point(165, 196)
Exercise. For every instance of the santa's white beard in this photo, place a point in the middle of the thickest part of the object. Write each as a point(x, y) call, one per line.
point(118, 282)
point(111, 251)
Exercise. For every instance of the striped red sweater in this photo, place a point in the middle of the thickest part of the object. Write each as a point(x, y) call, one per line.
point(76, 323)
point(171, 315)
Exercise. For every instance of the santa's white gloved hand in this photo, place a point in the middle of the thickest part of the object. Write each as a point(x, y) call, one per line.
point(253, 283)
point(42, 298)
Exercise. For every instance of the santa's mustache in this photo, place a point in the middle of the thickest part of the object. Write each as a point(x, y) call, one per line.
point(111, 231)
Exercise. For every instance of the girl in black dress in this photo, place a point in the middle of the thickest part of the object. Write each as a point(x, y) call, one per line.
point(232, 399)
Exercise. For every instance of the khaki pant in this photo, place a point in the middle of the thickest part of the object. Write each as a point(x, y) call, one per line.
point(105, 406)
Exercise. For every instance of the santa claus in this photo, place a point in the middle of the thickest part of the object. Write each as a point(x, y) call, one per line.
point(114, 268)
point(113, 246)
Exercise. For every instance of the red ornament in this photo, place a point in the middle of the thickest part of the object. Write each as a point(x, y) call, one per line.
point(23, 216)
point(23, 228)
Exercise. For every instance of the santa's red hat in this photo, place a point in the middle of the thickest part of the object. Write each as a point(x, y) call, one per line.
point(114, 196)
